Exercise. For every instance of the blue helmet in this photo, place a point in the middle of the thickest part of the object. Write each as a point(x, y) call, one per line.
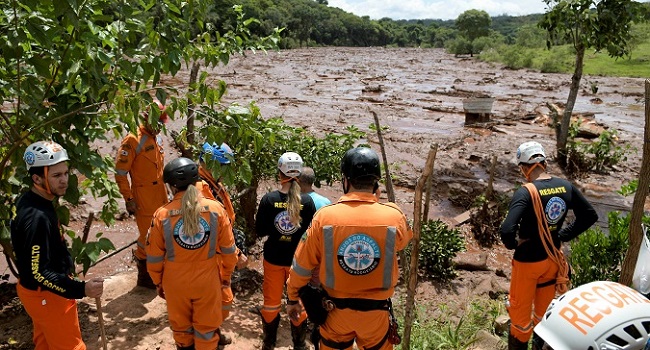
point(221, 153)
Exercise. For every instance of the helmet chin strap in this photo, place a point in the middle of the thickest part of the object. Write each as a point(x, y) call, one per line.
point(288, 179)
point(532, 167)
point(47, 190)
point(346, 189)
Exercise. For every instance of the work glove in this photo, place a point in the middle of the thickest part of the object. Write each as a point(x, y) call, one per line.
point(131, 206)
point(160, 290)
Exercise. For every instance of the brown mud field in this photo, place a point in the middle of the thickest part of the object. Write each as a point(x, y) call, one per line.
point(418, 94)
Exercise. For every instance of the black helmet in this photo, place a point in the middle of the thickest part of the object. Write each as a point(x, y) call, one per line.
point(181, 172)
point(361, 163)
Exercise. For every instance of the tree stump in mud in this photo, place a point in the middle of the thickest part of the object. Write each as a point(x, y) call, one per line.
point(477, 109)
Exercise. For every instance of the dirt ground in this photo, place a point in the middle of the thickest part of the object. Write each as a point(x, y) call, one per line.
point(418, 94)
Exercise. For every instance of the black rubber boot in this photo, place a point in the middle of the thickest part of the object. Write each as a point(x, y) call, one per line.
point(144, 280)
point(315, 337)
point(516, 344)
point(223, 338)
point(270, 333)
point(299, 335)
point(191, 347)
point(537, 343)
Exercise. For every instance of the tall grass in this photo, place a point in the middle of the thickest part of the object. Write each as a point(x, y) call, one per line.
point(453, 326)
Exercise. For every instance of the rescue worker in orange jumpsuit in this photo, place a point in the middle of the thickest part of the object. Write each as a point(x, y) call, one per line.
point(215, 190)
point(283, 215)
point(534, 274)
point(45, 286)
point(190, 255)
point(141, 158)
point(354, 243)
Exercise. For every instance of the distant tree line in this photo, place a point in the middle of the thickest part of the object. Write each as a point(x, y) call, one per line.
point(314, 23)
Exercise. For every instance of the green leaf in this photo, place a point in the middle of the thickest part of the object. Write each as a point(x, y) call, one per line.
point(63, 213)
point(105, 245)
point(38, 34)
point(172, 7)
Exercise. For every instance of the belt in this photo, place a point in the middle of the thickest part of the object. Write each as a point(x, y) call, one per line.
point(360, 304)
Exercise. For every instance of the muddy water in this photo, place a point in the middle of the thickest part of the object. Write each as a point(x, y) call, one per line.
point(418, 94)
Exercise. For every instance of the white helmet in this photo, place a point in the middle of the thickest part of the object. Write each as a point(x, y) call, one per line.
point(528, 150)
point(290, 164)
point(44, 153)
point(599, 316)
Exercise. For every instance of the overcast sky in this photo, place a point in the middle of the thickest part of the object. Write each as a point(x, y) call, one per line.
point(436, 9)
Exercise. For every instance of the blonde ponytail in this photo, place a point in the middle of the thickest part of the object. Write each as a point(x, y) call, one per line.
point(190, 210)
point(293, 203)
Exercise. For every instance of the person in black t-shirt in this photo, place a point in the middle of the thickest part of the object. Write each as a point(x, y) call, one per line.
point(283, 215)
point(45, 286)
point(534, 273)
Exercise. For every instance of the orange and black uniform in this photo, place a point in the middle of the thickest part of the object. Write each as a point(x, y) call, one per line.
point(191, 269)
point(354, 243)
point(533, 272)
point(46, 287)
point(141, 157)
point(273, 220)
point(215, 190)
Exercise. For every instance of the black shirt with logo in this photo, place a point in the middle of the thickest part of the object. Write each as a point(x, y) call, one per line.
point(273, 220)
point(558, 197)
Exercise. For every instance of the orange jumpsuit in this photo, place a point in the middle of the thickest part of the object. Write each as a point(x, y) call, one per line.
point(142, 159)
point(209, 188)
point(191, 269)
point(354, 243)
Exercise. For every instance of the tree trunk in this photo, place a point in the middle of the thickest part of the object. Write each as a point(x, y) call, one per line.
point(570, 103)
point(248, 205)
point(636, 232)
point(194, 72)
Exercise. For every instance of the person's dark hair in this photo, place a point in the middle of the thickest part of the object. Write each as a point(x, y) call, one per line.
point(37, 170)
point(307, 176)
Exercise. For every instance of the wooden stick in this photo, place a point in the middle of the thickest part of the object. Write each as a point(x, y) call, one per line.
point(413, 273)
point(100, 314)
point(427, 197)
point(89, 223)
point(389, 181)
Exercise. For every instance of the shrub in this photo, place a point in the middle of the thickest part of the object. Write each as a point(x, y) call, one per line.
point(599, 154)
point(596, 256)
point(438, 246)
point(459, 46)
point(486, 218)
point(557, 61)
point(517, 57)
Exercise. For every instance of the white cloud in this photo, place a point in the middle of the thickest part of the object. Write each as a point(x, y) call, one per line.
point(436, 9)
